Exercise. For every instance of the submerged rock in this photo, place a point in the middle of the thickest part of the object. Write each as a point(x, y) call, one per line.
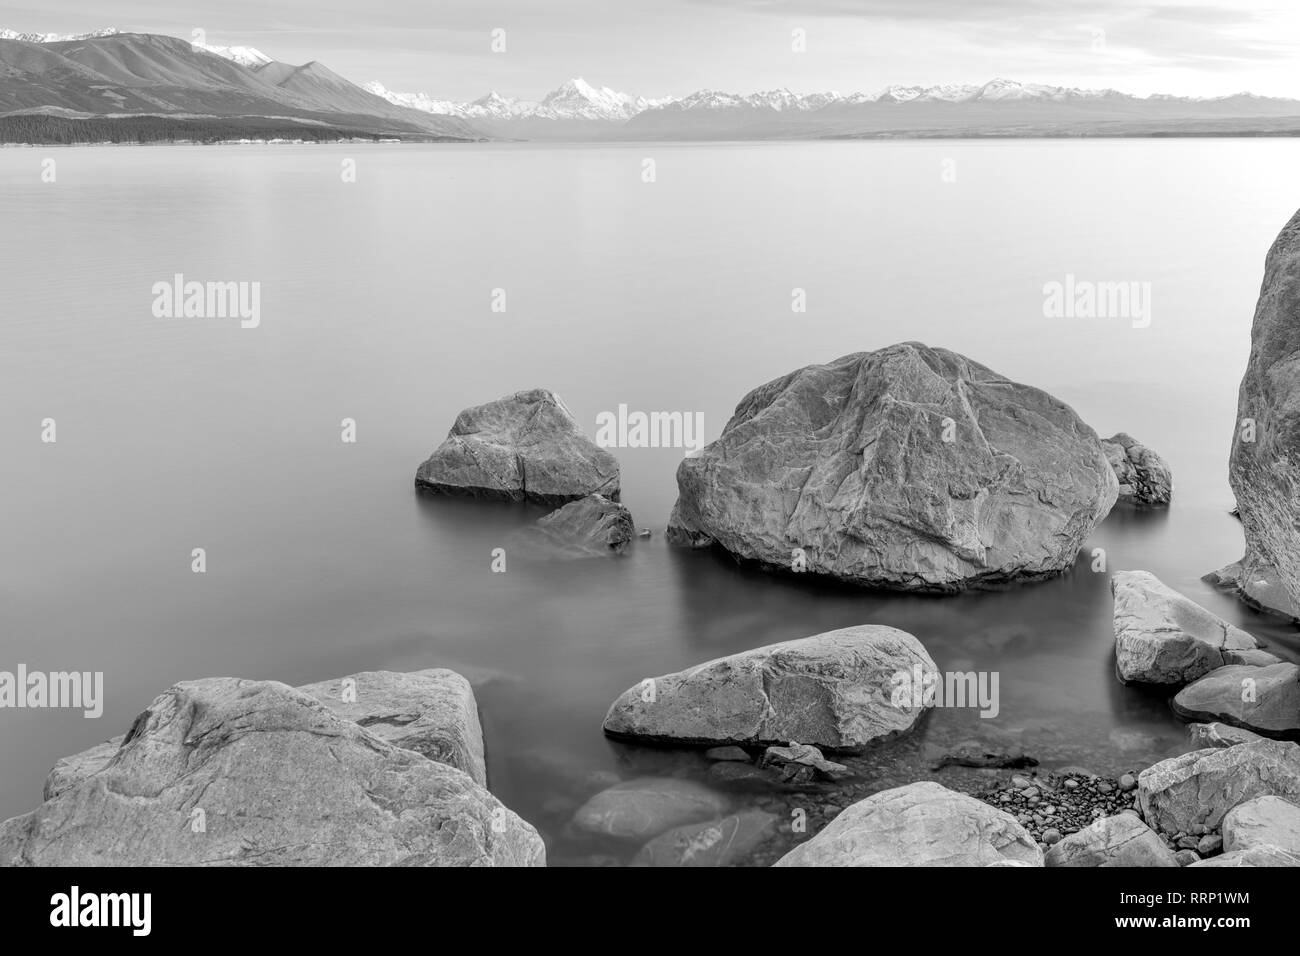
point(835, 691)
point(639, 810)
point(1190, 794)
point(803, 762)
point(1162, 637)
point(716, 843)
point(910, 468)
point(1144, 478)
point(526, 446)
point(1264, 469)
point(1263, 699)
point(1120, 840)
point(975, 753)
point(921, 824)
point(254, 773)
point(592, 526)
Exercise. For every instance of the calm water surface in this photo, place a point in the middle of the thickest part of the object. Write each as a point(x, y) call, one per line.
point(672, 295)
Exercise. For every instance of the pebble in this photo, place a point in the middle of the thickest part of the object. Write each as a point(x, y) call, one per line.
point(1209, 844)
point(1184, 857)
point(1071, 784)
point(1051, 836)
point(1127, 782)
point(1029, 793)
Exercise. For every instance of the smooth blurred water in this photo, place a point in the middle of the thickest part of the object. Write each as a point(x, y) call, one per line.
point(175, 434)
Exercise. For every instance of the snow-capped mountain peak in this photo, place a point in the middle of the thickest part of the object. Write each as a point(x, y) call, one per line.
point(243, 55)
point(57, 37)
point(575, 99)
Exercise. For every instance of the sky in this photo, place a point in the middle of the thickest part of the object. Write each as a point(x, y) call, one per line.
point(674, 47)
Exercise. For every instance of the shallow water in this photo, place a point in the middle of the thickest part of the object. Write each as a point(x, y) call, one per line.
point(673, 295)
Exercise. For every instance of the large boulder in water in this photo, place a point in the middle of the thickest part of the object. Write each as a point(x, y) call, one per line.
point(838, 691)
point(910, 467)
point(921, 824)
point(526, 446)
point(1144, 478)
point(1263, 699)
point(1163, 637)
point(228, 772)
point(1264, 469)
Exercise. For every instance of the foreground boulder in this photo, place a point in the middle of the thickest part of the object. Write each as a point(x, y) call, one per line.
point(1262, 699)
point(1191, 793)
point(910, 468)
point(526, 446)
point(639, 810)
point(1264, 821)
point(1162, 637)
point(432, 712)
point(1254, 856)
point(1264, 469)
point(921, 824)
point(232, 772)
point(1144, 478)
point(1121, 840)
point(589, 527)
point(839, 691)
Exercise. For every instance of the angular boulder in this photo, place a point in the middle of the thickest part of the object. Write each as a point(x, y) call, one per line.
point(1263, 699)
point(1144, 478)
point(716, 843)
point(837, 691)
point(1255, 856)
point(1264, 469)
point(1191, 793)
point(228, 772)
point(526, 446)
point(1162, 637)
point(1120, 840)
point(589, 527)
point(921, 824)
point(70, 771)
point(639, 810)
point(1264, 821)
point(909, 468)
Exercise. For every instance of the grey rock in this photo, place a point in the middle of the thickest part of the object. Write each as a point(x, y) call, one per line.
point(751, 778)
point(1254, 658)
point(1120, 840)
point(1256, 584)
point(592, 526)
point(639, 810)
point(921, 824)
point(804, 755)
point(1128, 782)
point(1209, 844)
point(1186, 857)
point(848, 463)
point(1144, 478)
point(1219, 735)
point(432, 712)
point(1265, 472)
point(1191, 793)
point(734, 754)
point(1272, 707)
point(835, 691)
point(716, 843)
point(1264, 821)
point(976, 753)
point(525, 446)
point(280, 780)
point(1162, 637)
point(1255, 856)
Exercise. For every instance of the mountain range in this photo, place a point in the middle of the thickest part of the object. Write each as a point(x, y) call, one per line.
point(66, 88)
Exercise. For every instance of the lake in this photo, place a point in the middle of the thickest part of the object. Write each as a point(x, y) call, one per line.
point(382, 285)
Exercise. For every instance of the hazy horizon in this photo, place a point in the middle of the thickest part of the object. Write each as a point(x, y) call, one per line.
point(676, 47)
